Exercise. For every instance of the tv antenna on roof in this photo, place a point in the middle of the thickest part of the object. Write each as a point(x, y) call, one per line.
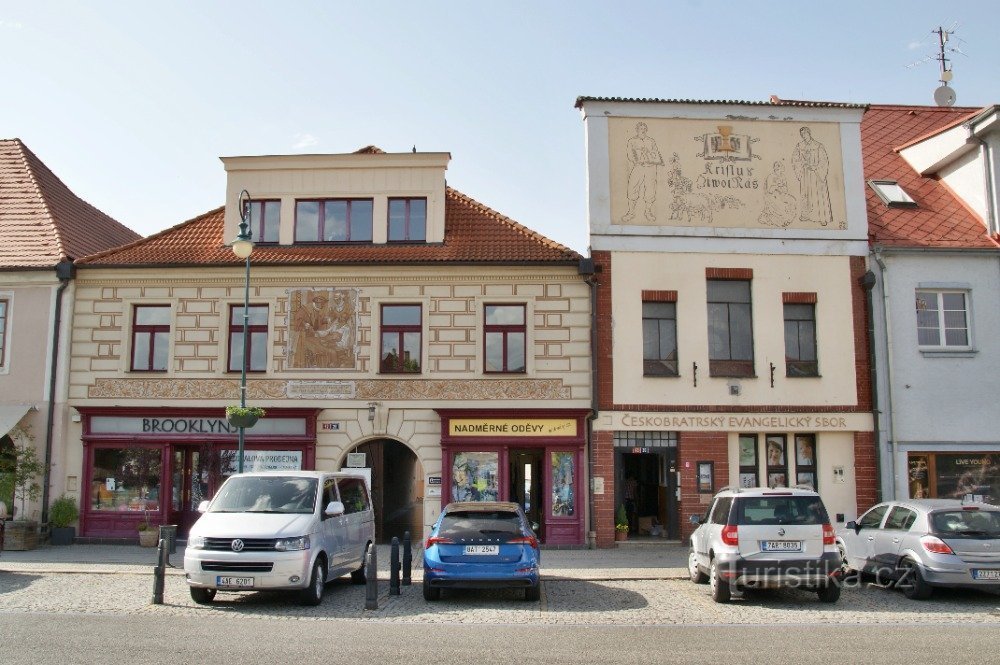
point(944, 95)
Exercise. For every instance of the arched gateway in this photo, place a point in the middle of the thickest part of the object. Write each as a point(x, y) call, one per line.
point(397, 487)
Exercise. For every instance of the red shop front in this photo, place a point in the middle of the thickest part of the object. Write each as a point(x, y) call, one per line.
point(157, 465)
point(531, 457)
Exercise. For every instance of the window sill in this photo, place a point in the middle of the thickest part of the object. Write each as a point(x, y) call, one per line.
point(949, 353)
point(732, 376)
point(803, 376)
point(661, 376)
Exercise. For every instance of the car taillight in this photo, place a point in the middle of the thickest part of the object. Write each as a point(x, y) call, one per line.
point(437, 540)
point(527, 540)
point(935, 545)
point(828, 535)
point(730, 535)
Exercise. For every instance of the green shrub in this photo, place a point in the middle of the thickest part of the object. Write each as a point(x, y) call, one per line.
point(63, 512)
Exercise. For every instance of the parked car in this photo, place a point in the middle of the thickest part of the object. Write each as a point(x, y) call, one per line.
point(280, 530)
point(919, 544)
point(481, 545)
point(765, 538)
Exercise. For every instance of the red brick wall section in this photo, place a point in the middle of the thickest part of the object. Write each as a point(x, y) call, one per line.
point(659, 296)
point(798, 298)
point(605, 364)
point(694, 447)
point(862, 365)
point(603, 454)
point(865, 470)
point(728, 273)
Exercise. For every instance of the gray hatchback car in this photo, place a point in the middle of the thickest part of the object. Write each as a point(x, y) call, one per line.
point(919, 544)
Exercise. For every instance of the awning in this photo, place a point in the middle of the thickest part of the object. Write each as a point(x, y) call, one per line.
point(10, 416)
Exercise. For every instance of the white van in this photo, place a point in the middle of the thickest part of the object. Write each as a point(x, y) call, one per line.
point(275, 530)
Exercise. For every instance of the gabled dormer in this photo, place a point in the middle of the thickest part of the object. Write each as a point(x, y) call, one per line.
point(366, 197)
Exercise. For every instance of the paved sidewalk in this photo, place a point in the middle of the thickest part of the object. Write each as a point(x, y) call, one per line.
point(628, 561)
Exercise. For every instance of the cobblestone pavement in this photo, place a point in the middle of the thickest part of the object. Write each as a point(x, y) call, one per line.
point(579, 587)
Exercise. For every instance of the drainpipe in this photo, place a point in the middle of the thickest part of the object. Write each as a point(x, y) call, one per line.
point(587, 268)
point(65, 271)
point(890, 404)
point(868, 282)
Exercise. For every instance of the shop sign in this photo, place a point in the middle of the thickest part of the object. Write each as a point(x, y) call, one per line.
point(265, 460)
point(517, 427)
point(736, 422)
point(173, 425)
point(356, 460)
point(433, 480)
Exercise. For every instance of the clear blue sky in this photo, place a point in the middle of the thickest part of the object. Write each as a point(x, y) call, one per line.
point(132, 103)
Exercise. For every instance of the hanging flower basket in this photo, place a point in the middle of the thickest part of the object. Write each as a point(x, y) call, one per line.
point(243, 416)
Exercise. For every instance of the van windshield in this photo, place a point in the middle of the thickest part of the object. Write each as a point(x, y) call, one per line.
point(266, 494)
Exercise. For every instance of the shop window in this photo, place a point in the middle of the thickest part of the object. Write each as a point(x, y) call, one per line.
point(401, 334)
point(659, 338)
point(4, 308)
point(407, 220)
point(730, 328)
point(955, 476)
point(776, 460)
point(474, 477)
point(150, 338)
point(125, 479)
point(942, 319)
point(504, 335)
point(805, 460)
point(353, 495)
point(748, 461)
point(563, 475)
point(256, 338)
point(334, 220)
point(800, 340)
point(265, 219)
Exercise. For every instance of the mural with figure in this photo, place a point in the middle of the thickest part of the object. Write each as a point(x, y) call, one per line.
point(322, 329)
point(742, 174)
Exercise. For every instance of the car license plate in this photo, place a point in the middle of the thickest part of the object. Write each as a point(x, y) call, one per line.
point(781, 546)
point(482, 549)
point(234, 582)
point(979, 574)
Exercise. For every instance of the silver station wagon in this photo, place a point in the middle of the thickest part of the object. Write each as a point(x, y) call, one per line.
point(919, 544)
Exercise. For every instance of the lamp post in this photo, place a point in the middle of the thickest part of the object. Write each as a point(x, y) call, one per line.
point(242, 248)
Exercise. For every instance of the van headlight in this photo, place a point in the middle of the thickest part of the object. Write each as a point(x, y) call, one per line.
point(290, 544)
point(196, 542)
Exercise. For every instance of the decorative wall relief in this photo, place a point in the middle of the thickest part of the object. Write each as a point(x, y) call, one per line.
point(323, 329)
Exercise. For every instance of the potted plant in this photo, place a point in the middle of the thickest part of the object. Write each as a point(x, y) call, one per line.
point(22, 533)
point(244, 416)
point(149, 534)
point(62, 514)
point(621, 523)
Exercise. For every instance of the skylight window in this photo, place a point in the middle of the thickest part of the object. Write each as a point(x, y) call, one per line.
point(892, 194)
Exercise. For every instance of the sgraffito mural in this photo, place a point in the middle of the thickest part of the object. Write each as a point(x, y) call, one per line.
point(322, 329)
point(745, 174)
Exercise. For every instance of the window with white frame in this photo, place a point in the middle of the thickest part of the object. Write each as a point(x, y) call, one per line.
point(942, 319)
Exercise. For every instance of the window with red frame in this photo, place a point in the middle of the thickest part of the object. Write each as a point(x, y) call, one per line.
point(150, 338)
point(401, 334)
point(333, 220)
point(256, 338)
point(265, 218)
point(407, 220)
point(504, 334)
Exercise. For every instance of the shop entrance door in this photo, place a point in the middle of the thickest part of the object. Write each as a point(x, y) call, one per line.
point(646, 484)
point(526, 485)
point(192, 481)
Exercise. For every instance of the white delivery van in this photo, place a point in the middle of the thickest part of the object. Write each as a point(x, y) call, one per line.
point(280, 530)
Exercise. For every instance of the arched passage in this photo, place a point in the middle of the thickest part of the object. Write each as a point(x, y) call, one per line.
point(397, 489)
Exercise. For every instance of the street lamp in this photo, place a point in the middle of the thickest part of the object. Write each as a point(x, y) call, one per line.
point(242, 248)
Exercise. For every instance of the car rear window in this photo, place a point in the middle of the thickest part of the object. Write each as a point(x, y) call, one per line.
point(966, 523)
point(766, 510)
point(478, 523)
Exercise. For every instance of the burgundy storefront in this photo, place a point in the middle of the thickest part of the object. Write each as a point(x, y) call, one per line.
point(531, 457)
point(157, 465)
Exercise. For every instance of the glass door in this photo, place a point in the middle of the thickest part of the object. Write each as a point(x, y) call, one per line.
point(193, 479)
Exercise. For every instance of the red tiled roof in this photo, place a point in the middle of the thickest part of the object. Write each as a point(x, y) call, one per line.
point(41, 221)
point(473, 234)
point(939, 219)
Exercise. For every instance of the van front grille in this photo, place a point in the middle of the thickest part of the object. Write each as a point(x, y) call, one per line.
point(249, 544)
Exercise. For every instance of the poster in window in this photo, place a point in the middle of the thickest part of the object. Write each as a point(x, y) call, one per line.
point(748, 451)
point(919, 475)
point(706, 481)
point(962, 475)
point(805, 451)
point(748, 480)
point(776, 451)
point(562, 484)
point(777, 480)
point(474, 477)
point(807, 478)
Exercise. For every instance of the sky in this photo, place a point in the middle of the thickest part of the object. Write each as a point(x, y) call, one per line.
point(132, 103)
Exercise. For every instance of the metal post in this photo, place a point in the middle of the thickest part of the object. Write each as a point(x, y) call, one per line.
point(407, 559)
point(243, 364)
point(394, 567)
point(371, 579)
point(159, 571)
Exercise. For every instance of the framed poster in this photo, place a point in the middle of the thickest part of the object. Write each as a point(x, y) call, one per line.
point(706, 477)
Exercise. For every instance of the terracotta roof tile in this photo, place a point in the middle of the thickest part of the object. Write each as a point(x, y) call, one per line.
point(939, 219)
point(474, 233)
point(41, 221)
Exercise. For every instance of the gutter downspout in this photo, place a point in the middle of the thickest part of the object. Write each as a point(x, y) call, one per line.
point(890, 403)
point(65, 271)
point(587, 268)
point(868, 282)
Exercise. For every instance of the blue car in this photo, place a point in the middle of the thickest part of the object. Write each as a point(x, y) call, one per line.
point(481, 545)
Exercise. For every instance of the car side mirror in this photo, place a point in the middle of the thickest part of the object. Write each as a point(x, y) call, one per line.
point(853, 525)
point(695, 519)
point(333, 509)
point(203, 507)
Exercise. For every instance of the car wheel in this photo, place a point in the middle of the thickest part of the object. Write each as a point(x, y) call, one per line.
point(313, 594)
point(431, 593)
point(911, 581)
point(533, 593)
point(721, 589)
point(695, 573)
point(829, 592)
point(358, 576)
point(202, 596)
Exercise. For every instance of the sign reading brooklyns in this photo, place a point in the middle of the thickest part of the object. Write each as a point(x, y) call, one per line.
point(519, 427)
point(177, 425)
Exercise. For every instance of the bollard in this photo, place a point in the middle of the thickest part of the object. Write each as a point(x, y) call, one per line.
point(371, 579)
point(168, 532)
point(394, 568)
point(159, 571)
point(407, 559)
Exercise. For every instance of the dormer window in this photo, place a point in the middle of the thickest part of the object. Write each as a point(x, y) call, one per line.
point(333, 220)
point(265, 217)
point(892, 194)
point(407, 220)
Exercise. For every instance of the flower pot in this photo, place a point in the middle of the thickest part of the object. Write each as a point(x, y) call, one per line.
point(242, 419)
point(620, 536)
point(20, 535)
point(149, 538)
point(62, 535)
